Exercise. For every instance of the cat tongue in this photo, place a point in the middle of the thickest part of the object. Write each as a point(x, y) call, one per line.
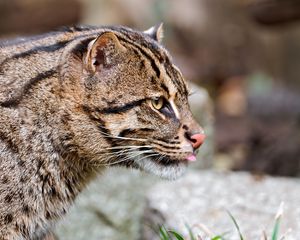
point(191, 158)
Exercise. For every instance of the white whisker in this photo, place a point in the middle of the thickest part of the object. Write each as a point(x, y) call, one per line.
point(130, 157)
point(123, 138)
point(151, 155)
point(130, 147)
point(120, 154)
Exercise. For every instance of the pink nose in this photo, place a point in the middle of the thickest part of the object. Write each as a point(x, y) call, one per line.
point(197, 140)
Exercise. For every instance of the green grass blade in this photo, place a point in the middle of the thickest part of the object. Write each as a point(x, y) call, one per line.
point(191, 234)
point(277, 222)
point(163, 233)
point(217, 238)
point(177, 235)
point(276, 229)
point(236, 225)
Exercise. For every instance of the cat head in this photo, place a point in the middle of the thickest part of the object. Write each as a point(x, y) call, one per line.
point(134, 103)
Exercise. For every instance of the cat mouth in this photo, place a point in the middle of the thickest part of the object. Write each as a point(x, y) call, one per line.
point(163, 161)
point(158, 164)
point(162, 166)
point(168, 161)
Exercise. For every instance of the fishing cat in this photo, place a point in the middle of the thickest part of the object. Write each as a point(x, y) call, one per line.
point(76, 101)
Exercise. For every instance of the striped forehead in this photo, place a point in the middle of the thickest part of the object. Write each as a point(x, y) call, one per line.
point(169, 85)
point(174, 85)
point(174, 80)
point(159, 58)
point(171, 74)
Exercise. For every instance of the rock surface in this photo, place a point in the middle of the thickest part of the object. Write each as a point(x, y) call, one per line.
point(112, 206)
point(203, 197)
point(110, 209)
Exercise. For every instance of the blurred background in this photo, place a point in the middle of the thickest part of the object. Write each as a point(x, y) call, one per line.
point(241, 56)
point(245, 53)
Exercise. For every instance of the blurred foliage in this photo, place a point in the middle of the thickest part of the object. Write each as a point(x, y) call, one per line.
point(259, 83)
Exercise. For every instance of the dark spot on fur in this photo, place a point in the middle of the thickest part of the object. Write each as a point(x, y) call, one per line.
point(161, 59)
point(21, 163)
point(5, 179)
point(142, 119)
point(39, 164)
point(8, 218)
point(9, 143)
point(48, 215)
point(177, 137)
point(142, 65)
point(29, 148)
point(26, 210)
point(153, 81)
point(185, 127)
point(126, 131)
point(21, 228)
point(65, 118)
point(30, 191)
point(21, 195)
point(64, 211)
point(8, 198)
point(88, 96)
point(53, 191)
point(70, 187)
point(52, 90)
point(44, 178)
point(23, 179)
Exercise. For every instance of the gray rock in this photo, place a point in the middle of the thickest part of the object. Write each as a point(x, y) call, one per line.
point(112, 206)
point(203, 197)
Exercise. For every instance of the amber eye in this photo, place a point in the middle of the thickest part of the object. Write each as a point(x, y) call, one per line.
point(157, 103)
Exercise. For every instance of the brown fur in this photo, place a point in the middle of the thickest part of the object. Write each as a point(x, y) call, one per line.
point(72, 103)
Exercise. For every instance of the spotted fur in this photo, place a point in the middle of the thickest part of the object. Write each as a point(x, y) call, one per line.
point(76, 101)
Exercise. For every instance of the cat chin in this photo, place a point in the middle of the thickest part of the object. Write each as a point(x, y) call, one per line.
point(170, 171)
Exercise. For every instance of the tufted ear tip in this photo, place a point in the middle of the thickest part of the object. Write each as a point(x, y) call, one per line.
point(156, 32)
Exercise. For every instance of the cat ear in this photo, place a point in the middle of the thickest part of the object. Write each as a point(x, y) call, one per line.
point(156, 32)
point(103, 51)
